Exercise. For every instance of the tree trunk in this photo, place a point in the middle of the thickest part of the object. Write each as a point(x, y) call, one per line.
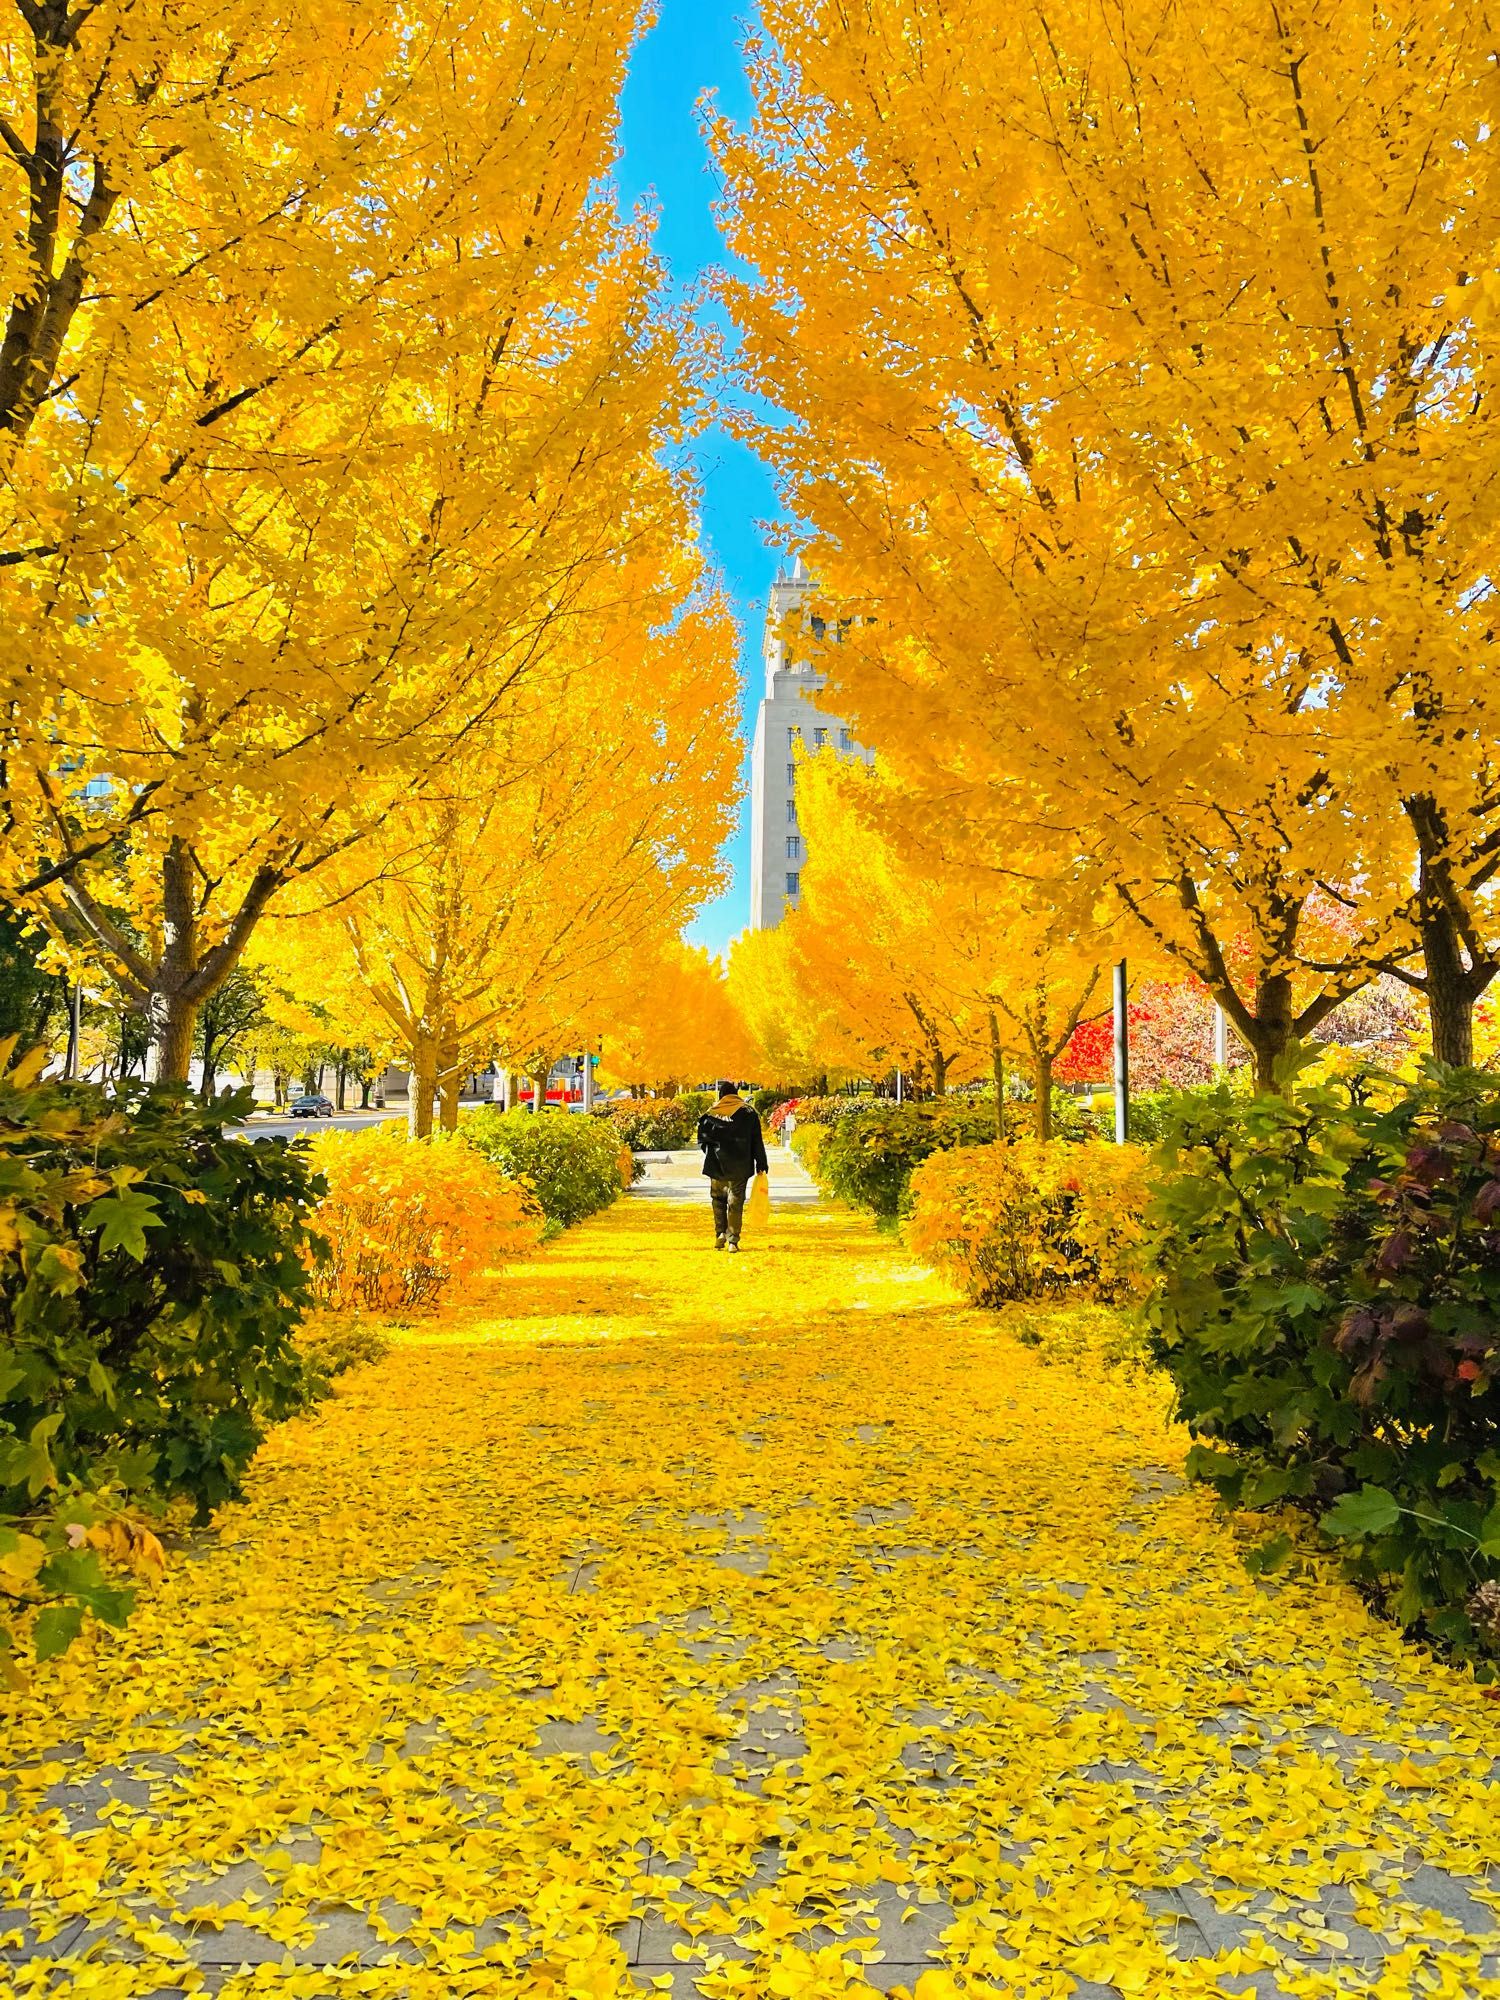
point(449, 1091)
point(210, 1072)
point(939, 1072)
point(366, 1085)
point(1459, 963)
point(997, 1071)
point(168, 993)
point(1450, 988)
point(170, 1015)
point(73, 1000)
point(341, 1079)
point(1042, 1076)
point(423, 1089)
point(1270, 1028)
point(170, 1020)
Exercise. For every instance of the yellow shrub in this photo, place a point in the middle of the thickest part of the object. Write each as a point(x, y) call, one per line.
point(409, 1219)
point(1028, 1219)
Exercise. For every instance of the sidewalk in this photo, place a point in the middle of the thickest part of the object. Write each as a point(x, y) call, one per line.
point(678, 1177)
point(636, 1632)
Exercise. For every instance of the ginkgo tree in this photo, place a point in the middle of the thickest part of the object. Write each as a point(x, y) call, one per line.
point(1138, 364)
point(361, 428)
point(675, 1023)
point(797, 1038)
point(931, 968)
point(506, 908)
point(867, 934)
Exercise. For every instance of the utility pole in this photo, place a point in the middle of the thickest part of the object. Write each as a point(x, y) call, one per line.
point(1122, 1055)
point(588, 1080)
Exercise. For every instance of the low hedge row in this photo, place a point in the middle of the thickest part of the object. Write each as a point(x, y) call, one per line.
point(868, 1159)
point(1318, 1274)
point(656, 1124)
point(575, 1166)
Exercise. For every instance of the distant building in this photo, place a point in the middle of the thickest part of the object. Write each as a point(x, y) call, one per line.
point(788, 716)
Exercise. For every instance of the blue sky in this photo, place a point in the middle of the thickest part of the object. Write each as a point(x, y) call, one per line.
point(695, 47)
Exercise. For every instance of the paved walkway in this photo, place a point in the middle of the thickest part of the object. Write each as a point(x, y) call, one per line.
point(775, 1628)
point(678, 1177)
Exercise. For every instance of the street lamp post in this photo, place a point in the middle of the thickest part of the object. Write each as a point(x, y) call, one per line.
point(1122, 1055)
point(1221, 1039)
point(75, 1031)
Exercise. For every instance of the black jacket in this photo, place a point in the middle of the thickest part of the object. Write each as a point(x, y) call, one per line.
point(730, 1135)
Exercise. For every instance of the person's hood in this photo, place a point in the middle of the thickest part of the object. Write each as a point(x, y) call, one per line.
point(727, 1106)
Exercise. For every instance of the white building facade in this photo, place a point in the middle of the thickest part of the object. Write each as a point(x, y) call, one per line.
point(789, 716)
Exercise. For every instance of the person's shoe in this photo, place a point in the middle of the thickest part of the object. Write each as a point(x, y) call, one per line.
point(732, 1248)
point(718, 1243)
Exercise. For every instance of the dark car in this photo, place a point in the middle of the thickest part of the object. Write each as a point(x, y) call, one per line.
point(311, 1107)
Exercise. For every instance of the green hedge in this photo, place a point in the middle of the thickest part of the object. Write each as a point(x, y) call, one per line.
point(822, 1110)
point(1328, 1303)
point(572, 1162)
point(867, 1160)
point(656, 1124)
point(153, 1269)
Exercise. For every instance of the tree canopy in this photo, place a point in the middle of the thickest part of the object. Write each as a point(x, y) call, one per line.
point(1132, 375)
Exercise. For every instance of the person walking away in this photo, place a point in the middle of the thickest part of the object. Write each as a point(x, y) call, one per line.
point(734, 1151)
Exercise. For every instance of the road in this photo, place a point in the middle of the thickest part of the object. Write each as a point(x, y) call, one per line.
point(270, 1125)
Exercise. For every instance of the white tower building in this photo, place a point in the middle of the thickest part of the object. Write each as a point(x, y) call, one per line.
point(789, 715)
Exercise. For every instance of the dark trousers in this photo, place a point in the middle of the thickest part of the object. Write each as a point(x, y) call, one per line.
point(728, 1198)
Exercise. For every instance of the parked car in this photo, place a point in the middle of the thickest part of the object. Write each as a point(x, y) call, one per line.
point(311, 1107)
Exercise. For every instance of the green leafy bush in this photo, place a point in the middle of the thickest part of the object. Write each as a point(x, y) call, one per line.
point(1151, 1112)
point(695, 1103)
point(654, 1124)
point(867, 1160)
point(572, 1163)
point(153, 1268)
point(1328, 1303)
point(822, 1110)
point(767, 1101)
